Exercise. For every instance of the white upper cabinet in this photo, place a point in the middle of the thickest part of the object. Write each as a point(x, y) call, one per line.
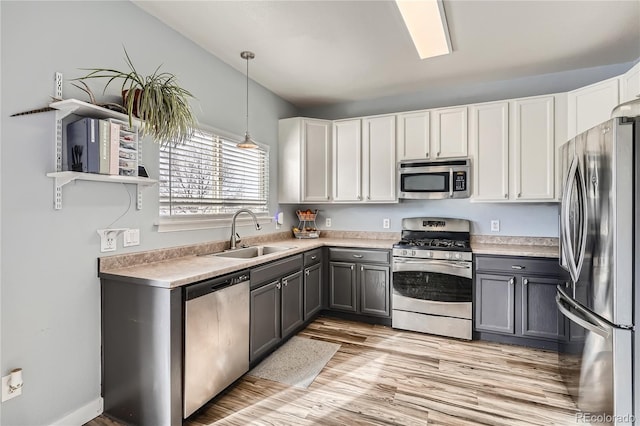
point(591, 105)
point(304, 160)
point(532, 134)
point(413, 136)
point(630, 84)
point(347, 155)
point(489, 141)
point(449, 132)
point(379, 159)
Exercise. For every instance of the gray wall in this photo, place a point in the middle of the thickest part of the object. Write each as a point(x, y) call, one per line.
point(49, 286)
point(536, 220)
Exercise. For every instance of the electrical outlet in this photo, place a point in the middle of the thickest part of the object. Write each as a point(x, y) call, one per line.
point(131, 237)
point(327, 222)
point(6, 392)
point(385, 223)
point(495, 226)
point(107, 239)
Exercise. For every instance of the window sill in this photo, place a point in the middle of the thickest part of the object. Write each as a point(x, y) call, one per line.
point(193, 224)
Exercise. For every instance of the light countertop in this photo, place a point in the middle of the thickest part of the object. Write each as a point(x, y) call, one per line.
point(175, 267)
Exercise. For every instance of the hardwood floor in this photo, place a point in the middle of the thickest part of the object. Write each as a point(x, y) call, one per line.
point(382, 376)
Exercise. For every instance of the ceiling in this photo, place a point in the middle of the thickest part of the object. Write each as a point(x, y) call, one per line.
point(314, 53)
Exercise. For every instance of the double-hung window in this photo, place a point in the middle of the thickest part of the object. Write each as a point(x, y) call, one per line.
point(208, 177)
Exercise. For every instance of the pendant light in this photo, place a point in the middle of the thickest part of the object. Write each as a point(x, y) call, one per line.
point(247, 143)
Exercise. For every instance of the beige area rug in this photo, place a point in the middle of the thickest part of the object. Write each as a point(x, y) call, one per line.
point(297, 362)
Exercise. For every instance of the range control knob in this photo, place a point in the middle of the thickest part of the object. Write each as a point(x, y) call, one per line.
point(404, 252)
point(447, 255)
point(458, 256)
point(429, 254)
point(413, 252)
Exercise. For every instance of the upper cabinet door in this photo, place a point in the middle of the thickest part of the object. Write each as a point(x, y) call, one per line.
point(533, 141)
point(413, 136)
point(489, 137)
point(591, 105)
point(316, 155)
point(347, 155)
point(630, 84)
point(379, 158)
point(449, 132)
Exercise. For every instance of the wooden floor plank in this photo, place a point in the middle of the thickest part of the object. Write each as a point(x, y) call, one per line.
point(383, 376)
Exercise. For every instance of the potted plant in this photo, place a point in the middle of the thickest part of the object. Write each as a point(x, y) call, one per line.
point(156, 99)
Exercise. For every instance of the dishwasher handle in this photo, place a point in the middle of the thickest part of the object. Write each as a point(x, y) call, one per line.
point(215, 284)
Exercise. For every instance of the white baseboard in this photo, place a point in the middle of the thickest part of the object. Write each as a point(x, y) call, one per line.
point(83, 414)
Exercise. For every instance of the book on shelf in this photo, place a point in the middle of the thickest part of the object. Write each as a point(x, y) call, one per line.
point(83, 145)
point(114, 147)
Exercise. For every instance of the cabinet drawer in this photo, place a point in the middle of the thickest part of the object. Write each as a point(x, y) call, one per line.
point(519, 265)
point(313, 256)
point(356, 255)
point(275, 270)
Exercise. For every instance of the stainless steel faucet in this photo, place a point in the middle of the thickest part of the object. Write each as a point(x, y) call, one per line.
point(233, 240)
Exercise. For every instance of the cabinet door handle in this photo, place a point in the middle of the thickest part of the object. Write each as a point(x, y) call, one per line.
point(525, 281)
point(328, 198)
point(427, 155)
point(506, 196)
point(512, 281)
point(358, 256)
point(278, 286)
point(438, 154)
point(368, 197)
point(518, 267)
point(362, 268)
point(285, 282)
point(352, 267)
point(306, 272)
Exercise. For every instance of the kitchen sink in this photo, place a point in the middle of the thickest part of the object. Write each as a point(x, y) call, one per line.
point(250, 252)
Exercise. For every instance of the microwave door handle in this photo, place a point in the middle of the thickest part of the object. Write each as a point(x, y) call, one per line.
point(450, 182)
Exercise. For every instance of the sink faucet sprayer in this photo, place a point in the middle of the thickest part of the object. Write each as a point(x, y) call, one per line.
point(233, 240)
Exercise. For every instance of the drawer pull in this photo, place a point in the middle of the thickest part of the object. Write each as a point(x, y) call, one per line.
point(359, 256)
point(314, 257)
point(517, 267)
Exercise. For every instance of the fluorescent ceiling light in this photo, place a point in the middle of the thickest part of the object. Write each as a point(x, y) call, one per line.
point(427, 26)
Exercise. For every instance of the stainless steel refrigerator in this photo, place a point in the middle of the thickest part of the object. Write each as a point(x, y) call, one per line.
point(599, 248)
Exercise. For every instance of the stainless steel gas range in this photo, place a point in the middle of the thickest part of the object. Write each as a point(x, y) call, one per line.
point(432, 277)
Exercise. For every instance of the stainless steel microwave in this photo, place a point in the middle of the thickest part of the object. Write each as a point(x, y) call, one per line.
point(419, 179)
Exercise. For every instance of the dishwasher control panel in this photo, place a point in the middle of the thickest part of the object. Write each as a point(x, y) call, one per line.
point(214, 284)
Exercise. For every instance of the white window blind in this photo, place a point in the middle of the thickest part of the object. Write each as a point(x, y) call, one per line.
point(209, 175)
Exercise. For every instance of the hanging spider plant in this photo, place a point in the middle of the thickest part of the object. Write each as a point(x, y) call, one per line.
point(156, 99)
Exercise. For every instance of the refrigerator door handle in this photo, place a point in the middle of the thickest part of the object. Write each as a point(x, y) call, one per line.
point(581, 316)
point(567, 245)
point(582, 187)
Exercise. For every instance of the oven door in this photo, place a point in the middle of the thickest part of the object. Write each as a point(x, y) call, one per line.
point(437, 287)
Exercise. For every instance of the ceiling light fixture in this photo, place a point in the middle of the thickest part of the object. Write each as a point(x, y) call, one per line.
point(247, 143)
point(427, 25)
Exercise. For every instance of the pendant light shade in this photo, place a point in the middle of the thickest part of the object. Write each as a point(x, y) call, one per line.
point(247, 143)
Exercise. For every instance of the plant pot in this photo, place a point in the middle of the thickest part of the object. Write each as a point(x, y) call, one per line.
point(137, 93)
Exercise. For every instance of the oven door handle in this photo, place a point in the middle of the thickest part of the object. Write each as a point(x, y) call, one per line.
point(451, 183)
point(461, 269)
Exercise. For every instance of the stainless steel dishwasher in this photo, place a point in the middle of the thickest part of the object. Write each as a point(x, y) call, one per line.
point(216, 340)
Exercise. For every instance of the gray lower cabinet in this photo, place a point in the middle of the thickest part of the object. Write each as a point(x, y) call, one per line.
point(265, 319)
point(495, 303)
point(361, 287)
point(312, 290)
point(514, 297)
point(277, 304)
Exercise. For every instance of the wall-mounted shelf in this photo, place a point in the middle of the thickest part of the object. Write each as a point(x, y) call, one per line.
point(63, 178)
point(74, 106)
